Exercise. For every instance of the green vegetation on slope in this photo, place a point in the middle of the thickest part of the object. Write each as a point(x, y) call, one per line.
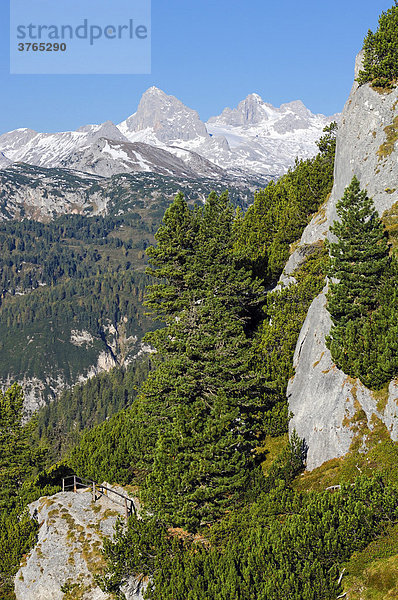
point(281, 211)
point(284, 545)
point(285, 311)
point(380, 62)
point(79, 276)
point(63, 280)
point(60, 424)
point(209, 403)
point(201, 404)
point(213, 409)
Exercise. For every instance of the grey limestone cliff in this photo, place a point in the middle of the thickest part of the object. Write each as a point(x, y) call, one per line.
point(322, 398)
point(365, 148)
point(169, 118)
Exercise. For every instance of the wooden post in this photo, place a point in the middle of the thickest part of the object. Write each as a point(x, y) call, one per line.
point(94, 498)
point(74, 483)
point(126, 509)
point(63, 484)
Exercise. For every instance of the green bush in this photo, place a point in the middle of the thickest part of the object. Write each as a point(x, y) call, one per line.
point(283, 545)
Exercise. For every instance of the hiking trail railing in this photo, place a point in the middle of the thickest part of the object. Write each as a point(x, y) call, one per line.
point(74, 483)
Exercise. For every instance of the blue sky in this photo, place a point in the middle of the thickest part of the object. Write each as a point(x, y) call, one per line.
point(210, 54)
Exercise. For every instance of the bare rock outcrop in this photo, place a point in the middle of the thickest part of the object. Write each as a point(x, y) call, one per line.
point(67, 554)
point(321, 397)
point(324, 400)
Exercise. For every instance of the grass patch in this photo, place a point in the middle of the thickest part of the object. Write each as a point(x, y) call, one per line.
point(387, 147)
point(271, 449)
point(108, 513)
point(373, 573)
point(96, 508)
point(74, 590)
point(381, 397)
point(383, 91)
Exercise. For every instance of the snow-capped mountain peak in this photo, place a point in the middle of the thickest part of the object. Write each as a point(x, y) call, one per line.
point(166, 117)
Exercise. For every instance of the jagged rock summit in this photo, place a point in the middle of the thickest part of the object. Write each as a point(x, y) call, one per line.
point(261, 136)
point(323, 400)
point(250, 111)
point(166, 117)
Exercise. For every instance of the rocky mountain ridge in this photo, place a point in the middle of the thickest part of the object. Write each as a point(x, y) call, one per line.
point(254, 139)
point(42, 193)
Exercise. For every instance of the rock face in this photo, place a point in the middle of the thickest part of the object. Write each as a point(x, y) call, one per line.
point(324, 400)
point(321, 397)
point(366, 147)
point(68, 549)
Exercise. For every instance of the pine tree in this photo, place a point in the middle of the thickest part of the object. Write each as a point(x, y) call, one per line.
point(203, 404)
point(171, 260)
point(362, 298)
point(380, 63)
point(359, 258)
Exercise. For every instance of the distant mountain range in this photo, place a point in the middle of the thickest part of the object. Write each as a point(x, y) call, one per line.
point(254, 140)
